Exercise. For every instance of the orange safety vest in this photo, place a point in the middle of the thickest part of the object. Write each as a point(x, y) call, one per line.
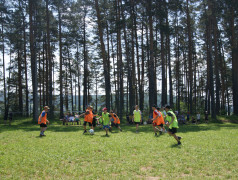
point(43, 119)
point(88, 117)
point(116, 119)
point(158, 120)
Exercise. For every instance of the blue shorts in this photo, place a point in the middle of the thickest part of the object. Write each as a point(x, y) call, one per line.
point(106, 126)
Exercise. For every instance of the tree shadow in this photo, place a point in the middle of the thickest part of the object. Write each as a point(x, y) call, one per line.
point(58, 127)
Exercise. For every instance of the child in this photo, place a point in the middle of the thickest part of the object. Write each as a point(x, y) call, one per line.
point(193, 120)
point(158, 120)
point(88, 118)
point(115, 120)
point(42, 120)
point(198, 117)
point(77, 119)
point(137, 117)
point(105, 120)
point(172, 124)
point(206, 116)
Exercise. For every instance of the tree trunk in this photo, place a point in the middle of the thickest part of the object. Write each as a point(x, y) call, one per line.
point(32, 7)
point(120, 63)
point(234, 62)
point(79, 73)
point(61, 66)
point(169, 61)
point(85, 82)
point(4, 75)
point(25, 64)
point(210, 63)
point(151, 72)
point(50, 89)
point(141, 87)
point(190, 59)
point(105, 61)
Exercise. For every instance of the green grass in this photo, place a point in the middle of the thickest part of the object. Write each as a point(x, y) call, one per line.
point(208, 151)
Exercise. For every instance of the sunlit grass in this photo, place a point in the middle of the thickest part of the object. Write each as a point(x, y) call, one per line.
point(208, 151)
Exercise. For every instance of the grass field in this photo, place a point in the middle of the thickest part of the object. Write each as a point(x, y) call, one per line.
point(208, 151)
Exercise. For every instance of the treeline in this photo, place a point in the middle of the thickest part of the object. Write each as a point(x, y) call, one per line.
point(184, 50)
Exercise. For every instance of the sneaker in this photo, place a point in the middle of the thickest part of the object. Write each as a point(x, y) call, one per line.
point(155, 134)
point(160, 132)
point(137, 131)
point(179, 143)
point(107, 135)
point(84, 131)
point(179, 138)
point(121, 130)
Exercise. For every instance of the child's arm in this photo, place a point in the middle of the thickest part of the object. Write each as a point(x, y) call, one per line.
point(99, 120)
point(140, 117)
point(81, 115)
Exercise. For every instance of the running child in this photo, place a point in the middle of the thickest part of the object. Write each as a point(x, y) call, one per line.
point(158, 121)
point(42, 120)
point(172, 124)
point(88, 118)
point(137, 117)
point(115, 120)
point(105, 120)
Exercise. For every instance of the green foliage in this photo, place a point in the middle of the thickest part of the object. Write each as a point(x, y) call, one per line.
point(65, 153)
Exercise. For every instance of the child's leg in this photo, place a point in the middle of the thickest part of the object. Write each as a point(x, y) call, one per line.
point(137, 125)
point(155, 129)
point(43, 130)
point(106, 129)
point(175, 137)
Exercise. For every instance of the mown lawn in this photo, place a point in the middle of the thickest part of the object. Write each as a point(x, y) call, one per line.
point(208, 151)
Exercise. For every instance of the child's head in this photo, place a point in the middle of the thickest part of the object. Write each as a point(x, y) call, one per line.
point(104, 110)
point(167, 108)
point(90, 108)
point(154, 107)
point(46, 108)
point(136, 107)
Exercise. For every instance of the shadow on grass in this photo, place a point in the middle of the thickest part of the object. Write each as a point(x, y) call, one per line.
point(28, 125)
point(176, 146)
point(104, 136)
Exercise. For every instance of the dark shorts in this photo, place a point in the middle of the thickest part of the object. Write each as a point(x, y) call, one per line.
point(43, 125)
point(114, 125)
point(173, 130)
point(106, 126)
point(137, 122)
point(85, 123)
point(94, 122)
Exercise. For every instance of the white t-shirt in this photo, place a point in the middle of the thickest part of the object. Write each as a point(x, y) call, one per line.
point(198, 116)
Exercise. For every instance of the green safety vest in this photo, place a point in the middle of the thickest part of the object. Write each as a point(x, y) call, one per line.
point(105, 119)
point(169, 119)
point(137, 116)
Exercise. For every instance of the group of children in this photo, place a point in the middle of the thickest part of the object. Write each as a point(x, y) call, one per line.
point(110, 119)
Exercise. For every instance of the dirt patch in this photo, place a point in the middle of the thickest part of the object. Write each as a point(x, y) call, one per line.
point(148, 168)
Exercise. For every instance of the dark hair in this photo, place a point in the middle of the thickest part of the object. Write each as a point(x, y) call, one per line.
point(168, 107)
point(154, 106)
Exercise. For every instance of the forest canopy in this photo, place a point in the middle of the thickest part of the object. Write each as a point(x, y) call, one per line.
point(68, 54)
